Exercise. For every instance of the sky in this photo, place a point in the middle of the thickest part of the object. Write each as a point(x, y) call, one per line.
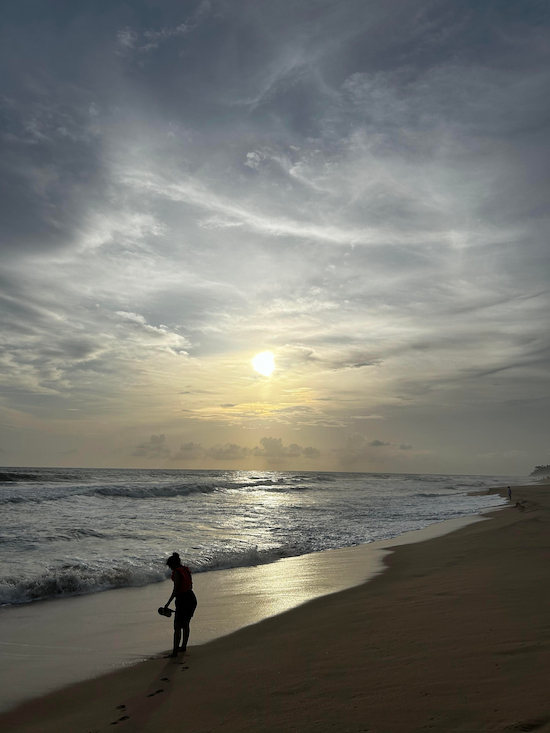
point(358, 187)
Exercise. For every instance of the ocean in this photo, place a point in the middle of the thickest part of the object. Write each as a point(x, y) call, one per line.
point(67, 532)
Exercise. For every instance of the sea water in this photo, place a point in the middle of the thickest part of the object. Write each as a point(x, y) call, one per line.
point(66, 532)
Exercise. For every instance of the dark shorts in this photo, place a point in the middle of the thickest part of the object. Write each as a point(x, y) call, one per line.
point(185, 608)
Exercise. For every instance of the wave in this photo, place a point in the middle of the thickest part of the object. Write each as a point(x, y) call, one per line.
point(241, 558)
point(76, 579)
point(147, 491)
point(251, 484)
point(81, 578)
point(473, 484)
point(69, 535)
point(123, 491)
point(33, 498)
point(151, 492)
point(428, 496)
point(289, 489)
point(9, 477)
point(12, 477)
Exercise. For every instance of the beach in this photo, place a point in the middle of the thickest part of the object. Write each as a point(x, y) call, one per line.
point(453, 636)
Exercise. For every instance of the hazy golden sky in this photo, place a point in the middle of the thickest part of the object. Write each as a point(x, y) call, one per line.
point(359, 188)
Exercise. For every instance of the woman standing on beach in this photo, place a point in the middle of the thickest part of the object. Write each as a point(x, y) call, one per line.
point(186, 602)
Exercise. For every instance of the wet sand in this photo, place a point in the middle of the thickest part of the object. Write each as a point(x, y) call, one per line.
point(47, 645)
point(455, 636)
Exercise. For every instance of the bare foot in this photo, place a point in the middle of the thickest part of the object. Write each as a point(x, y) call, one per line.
point(183, 648)
point(171, 656)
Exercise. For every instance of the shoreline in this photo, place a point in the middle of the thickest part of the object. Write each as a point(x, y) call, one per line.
point(83, 637)
point(347, 652)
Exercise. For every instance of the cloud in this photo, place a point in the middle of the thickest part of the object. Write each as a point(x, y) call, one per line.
point(351, 363)
point(127, 38)
point(378, 219)
point(357, 449)
point(148, 40)
point(354, 449)
point(366, 417)
point(153, 448)
point(253, 159)
point(505, 454)
point(189, 452)
point(274, 449)
point(227, 452)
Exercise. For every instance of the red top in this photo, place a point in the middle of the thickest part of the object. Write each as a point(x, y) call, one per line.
point(186, 581)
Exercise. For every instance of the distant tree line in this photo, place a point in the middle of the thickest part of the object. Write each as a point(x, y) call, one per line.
point(541, 471)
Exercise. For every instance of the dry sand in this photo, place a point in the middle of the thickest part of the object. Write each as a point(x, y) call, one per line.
point(455, 636)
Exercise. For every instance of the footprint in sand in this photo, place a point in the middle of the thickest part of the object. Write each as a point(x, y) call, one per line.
point(164, 679)
point(184, 668)
point(157, 692)
point(124, 717)
point(120, 707)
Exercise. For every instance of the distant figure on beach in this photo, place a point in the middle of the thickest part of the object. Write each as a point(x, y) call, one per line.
point(509, 494)
point(186, 602)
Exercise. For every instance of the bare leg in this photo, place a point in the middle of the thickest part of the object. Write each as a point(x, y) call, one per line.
point(177, 638)
point(185, 639)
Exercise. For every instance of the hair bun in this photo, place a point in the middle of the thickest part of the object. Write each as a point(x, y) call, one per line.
point(174, 558)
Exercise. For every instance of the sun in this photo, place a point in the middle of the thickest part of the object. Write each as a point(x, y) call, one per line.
point(264, 363)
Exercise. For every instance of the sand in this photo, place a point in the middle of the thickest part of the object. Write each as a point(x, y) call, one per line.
point(47, 645)
point(66, 640)
point(455, 636)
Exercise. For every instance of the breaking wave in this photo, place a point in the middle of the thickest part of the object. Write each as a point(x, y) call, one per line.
point(13, 477)
point(127, 492)
point(151, 492)
point(75, 579)
point(77, 531)
point(36, 495)
point(80, 578)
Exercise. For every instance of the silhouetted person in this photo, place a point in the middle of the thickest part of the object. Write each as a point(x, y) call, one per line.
point(186, 602)
point(509, 494)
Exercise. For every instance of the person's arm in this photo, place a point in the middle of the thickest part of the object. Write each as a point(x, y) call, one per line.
point(169, 601)
point(177, 585)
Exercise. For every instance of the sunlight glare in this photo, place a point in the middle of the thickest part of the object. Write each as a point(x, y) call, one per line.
point(264, 363)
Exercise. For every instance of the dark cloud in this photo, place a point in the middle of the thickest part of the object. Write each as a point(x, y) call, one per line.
point(154, 448)
point(354, 449)
point(347, 364)
point(227, 452)
point(189, 452)
point(273, 449)
point(157, 448)
point(357, 449)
